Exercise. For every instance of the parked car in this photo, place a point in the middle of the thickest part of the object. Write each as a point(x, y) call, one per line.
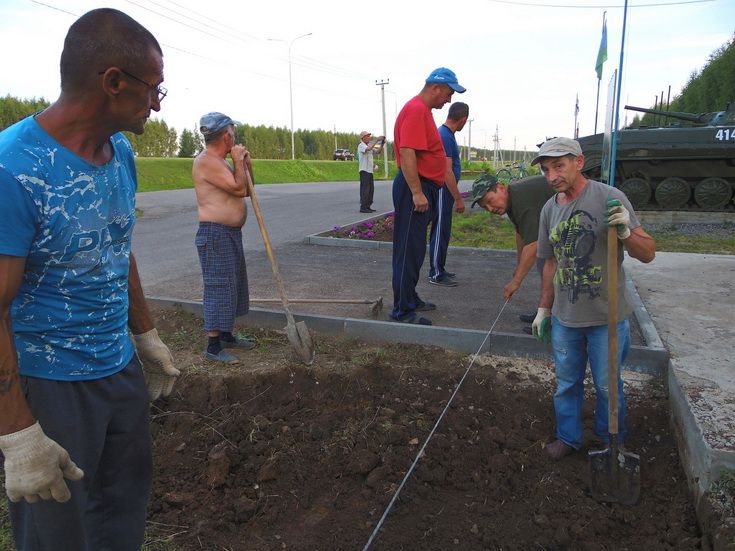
point(343, 155)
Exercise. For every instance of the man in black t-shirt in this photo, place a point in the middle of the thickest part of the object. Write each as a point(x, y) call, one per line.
point(522, 201)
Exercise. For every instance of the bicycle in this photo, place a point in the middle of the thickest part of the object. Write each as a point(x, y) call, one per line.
point(509, 174)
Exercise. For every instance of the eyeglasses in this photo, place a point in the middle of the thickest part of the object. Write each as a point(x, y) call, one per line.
point(160, 91)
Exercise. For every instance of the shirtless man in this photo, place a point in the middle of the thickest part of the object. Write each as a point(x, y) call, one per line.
point(221, 190)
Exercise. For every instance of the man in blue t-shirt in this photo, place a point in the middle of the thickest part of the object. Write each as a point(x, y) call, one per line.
point(441, 223)
point(74, 397)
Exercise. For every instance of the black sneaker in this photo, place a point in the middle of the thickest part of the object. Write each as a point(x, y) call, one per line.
point(413, 320)
point(443, 281)
point(365, 210)
point(450, 274)
point(425, 306)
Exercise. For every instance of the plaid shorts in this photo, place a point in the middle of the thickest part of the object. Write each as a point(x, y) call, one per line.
point(224, 275)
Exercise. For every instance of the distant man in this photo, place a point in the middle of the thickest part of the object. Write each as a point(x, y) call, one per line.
point(365, 151)
point(221, 190)
point(522, 201)
point(572, 240)
point(441, 223)
point(422, 172)
point(74, 408)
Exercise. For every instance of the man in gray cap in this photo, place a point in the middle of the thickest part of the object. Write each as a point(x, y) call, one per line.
point(572, 240)
point(221, 189)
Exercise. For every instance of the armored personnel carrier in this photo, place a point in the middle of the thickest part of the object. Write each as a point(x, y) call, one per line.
point(687, 165)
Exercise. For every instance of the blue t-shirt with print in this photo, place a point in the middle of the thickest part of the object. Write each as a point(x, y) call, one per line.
point(451, 149)
point(73, 222)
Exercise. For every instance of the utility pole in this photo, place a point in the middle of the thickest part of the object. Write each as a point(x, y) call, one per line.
point(382, 84)
point(497, 154)
point(335, 136)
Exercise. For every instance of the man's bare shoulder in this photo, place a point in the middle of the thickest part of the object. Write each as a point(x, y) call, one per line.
point(207, 164)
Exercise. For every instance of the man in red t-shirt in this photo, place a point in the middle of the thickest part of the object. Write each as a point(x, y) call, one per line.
point(422, 169)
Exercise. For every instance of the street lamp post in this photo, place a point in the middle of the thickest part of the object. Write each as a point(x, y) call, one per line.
point(290, 91)
point(290, 86)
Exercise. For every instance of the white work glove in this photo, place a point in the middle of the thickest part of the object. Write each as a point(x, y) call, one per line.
point(618, 215)
point(541, 326)
point(158, 363)
point(35, 466)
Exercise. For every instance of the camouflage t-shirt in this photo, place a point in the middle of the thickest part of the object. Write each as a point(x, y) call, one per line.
point(576, 235)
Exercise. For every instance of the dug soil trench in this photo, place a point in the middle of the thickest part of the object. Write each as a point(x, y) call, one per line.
point(269, 455)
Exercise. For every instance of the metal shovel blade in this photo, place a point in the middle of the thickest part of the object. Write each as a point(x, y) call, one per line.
point(615, 474)
point(300, 339)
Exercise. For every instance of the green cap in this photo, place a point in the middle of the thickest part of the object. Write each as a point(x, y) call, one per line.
point(481, 186)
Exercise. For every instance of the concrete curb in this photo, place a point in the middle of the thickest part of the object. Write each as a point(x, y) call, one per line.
point(641, 359)
point(702, 463)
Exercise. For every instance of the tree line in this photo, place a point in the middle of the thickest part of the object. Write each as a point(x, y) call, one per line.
point(707, 90)
point(161, 140)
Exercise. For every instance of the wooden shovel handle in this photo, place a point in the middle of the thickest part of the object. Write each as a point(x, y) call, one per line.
point(612, 329)
point(268, 248)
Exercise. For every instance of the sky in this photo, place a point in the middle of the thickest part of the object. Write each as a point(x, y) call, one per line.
point(523, 62)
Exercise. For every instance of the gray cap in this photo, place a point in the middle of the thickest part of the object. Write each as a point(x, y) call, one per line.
point(557, 147)
point(213, 122)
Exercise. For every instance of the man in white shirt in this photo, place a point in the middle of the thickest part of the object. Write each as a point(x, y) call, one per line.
point(365, 159)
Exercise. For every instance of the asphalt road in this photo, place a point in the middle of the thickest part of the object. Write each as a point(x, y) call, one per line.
point(163, 241)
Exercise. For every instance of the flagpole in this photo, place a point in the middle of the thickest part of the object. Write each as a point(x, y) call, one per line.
point(597, 104)
point(600, 61)
point(576, 112)
point(614, 148)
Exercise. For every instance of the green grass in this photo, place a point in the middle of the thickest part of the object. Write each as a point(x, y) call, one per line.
point(483, 230)
point(489, 231)
point(158, 174)
point(671, 241)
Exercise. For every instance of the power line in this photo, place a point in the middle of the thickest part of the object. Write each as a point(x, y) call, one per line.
point(54, 8)
point(578, 6)
point(217, 28)
point(179, 22)
point(219, 24)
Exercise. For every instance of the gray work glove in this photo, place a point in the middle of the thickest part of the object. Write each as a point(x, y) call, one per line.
point(541, 326)
point(35, 466)
point(617, 215)
point(158, 363)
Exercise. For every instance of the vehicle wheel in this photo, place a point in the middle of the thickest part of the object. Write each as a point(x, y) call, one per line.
point(638, 192)
point(712, 193)
point(672, 193)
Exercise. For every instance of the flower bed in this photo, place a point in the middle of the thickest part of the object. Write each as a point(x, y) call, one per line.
point(380, 229)
point(375, 229)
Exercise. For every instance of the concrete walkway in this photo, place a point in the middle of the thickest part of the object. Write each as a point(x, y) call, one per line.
point(690, 300)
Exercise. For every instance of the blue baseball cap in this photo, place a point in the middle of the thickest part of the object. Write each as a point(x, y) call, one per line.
point(442, 75)
point(213, 122)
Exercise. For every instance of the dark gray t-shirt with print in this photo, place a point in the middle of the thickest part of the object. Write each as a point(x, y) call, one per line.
point(576, 235)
